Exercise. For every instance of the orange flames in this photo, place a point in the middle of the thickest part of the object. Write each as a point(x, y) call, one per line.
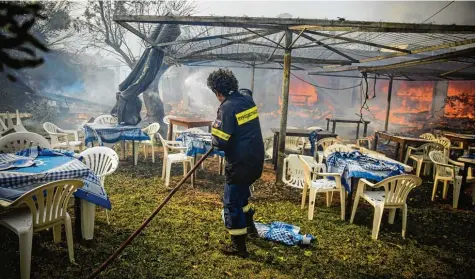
point(463, 104)
point(301, 94)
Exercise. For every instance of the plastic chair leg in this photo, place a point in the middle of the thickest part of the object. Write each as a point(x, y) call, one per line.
point(342, 204)
point(57, 233)
point(69, 237)
point(391, 215)
point(435, 186)
point(153, 153)
point(164, 166)
point(167, 173)
point(185, 168)
point(354, 209)
point(445, 189)
point(25, 239)
point(145, 151)
point(304, 195)
point(312, 202)
point(377, 220)
point(418, 170)
point(404, 220)
point(456, 191)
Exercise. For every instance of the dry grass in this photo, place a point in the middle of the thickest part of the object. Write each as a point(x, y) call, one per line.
point(183, 240)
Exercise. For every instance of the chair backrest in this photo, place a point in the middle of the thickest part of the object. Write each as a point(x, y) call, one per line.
point(48, 203)
point(12, 143)
point(326, 142)
point(101, 160)
point(106, 119)
point(314, 128)
point(443, 141)
point(51, 129)
point(268, 147)
point(432, 146)
point(294, 174)
point(428, 136)
point(336, 148)
point(292, 141)
point(364, 142)
point(397, 188)
point(438, 157)
point(152, 130)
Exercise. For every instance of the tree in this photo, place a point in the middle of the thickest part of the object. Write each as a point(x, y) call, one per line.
point(17, 44)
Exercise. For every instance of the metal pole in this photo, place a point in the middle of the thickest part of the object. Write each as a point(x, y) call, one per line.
point(252, 85)
point(284, 108)
point(389, 100)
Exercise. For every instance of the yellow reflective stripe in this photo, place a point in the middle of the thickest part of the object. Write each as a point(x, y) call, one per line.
point(220, 134)
point(237, 231)
point(247, 115)
point(246, 208)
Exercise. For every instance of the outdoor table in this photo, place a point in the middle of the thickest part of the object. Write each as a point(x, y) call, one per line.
point(16, 181)
point(199, 144)
point(402, 143)
point(468, 161)
point(114, 133)
point(295, 133)
point(188, 123)
point(356, 165)
point(467, 140)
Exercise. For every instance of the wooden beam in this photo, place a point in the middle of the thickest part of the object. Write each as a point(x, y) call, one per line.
point(299, 24)
point(284, 107)
point(389, 102)
point(457, 70)
point(359, 42)
point(352, 59)
point(198, 39)
point(264, 37)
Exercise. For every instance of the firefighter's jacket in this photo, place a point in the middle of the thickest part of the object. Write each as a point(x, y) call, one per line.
point(237, 132)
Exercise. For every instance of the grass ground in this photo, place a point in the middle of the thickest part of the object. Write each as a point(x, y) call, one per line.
point(183, 240)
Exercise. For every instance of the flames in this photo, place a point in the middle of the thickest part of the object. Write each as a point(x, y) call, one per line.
point(301, 94)
point(460, 101)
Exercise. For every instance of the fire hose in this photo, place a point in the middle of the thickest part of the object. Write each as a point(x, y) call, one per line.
point(147, 221)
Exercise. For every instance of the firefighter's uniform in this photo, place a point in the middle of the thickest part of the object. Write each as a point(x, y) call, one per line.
point(237, 132)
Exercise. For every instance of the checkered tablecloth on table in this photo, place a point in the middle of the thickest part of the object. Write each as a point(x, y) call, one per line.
point(48, 168)
point(355, 164)
point(112, 134)
point(198, 144)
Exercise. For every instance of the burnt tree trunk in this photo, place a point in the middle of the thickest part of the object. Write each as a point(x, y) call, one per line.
point(154, 105)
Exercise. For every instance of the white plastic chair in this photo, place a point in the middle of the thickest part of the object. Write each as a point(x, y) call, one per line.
point(420, 156)
point(445, 142)
point(56, 133)
point(151, 131)
point(364, 142)
point(176, 129)
point(17, 127)
point(446, 171)
point(46, 208)
point(293, 144)
point(324, 144)
point(12, 143)
point(105, 119)
point(103, 161)
point(322, 185)
point(394, 196)
point(170, 158)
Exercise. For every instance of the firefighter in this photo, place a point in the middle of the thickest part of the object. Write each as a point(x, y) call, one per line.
point(237, 132)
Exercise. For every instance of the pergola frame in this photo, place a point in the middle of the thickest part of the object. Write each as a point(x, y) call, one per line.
point(431, 37)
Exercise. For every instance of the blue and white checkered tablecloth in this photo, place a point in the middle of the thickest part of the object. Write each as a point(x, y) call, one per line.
point(48, 168)
point(355, 164)
point(198, 144)
point(112, 134)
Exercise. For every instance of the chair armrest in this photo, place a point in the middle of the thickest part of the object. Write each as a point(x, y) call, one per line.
point(456, 163)
point(368, 183)
point(181, 148)
point(72, 132)
point(334, 174)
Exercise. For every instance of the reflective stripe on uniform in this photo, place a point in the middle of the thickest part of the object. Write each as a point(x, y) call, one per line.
point(237, 231)
point(246, 208)
point(247, 115)
point(220, 134)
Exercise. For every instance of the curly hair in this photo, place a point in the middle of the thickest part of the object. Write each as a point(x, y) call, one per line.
point(223, 81)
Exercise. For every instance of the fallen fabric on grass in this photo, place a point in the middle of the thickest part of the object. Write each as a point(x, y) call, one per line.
point(284, 233)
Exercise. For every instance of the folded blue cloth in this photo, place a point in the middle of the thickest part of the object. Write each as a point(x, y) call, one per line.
point(284, 233)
